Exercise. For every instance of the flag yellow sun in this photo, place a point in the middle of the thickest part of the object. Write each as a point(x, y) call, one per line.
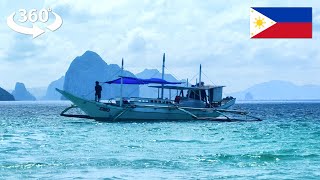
point(259, 22)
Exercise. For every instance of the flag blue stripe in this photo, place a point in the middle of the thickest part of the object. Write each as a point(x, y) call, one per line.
point(287, 14)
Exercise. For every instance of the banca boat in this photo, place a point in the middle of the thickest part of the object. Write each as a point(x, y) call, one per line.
point(196, 102)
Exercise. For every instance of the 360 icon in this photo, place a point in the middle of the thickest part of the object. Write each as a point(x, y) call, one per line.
point(33, 16)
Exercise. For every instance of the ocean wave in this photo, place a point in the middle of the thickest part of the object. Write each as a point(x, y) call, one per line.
point(263, 157)
point(99, 163)
point(183, 141)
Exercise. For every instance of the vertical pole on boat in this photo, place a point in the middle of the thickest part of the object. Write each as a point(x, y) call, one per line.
point(187, 82)
point(121, 83)
point(163, 62)
point(200, 84)
point(200, 76)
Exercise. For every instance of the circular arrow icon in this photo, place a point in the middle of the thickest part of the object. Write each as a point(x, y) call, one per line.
point(56, 24)
point(35, 31)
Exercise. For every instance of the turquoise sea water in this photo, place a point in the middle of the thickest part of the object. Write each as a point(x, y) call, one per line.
point(36, 143)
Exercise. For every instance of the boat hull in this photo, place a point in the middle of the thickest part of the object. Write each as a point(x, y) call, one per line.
point(141, 111)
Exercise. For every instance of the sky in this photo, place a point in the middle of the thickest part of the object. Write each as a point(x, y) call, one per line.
point(208, 32)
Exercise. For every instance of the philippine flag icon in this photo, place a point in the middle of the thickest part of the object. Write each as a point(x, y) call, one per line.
point(284, 22)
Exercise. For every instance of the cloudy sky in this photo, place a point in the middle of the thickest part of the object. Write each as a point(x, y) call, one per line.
point(208, 32)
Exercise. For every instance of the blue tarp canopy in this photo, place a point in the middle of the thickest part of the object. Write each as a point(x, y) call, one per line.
point(132, 80)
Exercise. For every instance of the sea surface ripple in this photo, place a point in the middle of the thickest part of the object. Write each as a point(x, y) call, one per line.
point(37, 143)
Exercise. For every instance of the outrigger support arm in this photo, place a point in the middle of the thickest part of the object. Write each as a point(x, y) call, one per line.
point(243, 113)
point(67, 109)
point(188, 112)
point(220, 111)
point(63, 113)
point(232, 111)
point(120, 114)
point(224, 115)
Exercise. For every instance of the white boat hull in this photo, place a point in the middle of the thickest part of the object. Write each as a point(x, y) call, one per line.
point(142, 111)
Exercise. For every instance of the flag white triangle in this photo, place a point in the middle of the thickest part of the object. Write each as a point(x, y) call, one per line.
point(259, 22)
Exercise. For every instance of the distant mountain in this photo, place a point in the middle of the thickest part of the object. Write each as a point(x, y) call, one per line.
point(146, 91)
point(51, 93)
point(38, 92)
point(279, 90)
point(20, 93)
point(90, 67)
point(248, 96)
point(5, 95)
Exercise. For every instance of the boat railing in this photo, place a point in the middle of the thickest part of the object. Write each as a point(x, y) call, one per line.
point(133, 100)
point(150, 100)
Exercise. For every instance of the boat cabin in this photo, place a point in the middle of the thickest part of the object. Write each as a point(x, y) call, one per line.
point(196, 96)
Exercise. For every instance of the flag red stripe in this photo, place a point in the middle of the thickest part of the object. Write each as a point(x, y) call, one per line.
point(287, 30)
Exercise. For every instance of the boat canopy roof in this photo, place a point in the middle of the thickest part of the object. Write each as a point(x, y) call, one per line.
point(132, 80)
point(188, 88)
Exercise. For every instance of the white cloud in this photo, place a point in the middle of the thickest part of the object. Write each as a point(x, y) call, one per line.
point(214, 33)
point(92, 7)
